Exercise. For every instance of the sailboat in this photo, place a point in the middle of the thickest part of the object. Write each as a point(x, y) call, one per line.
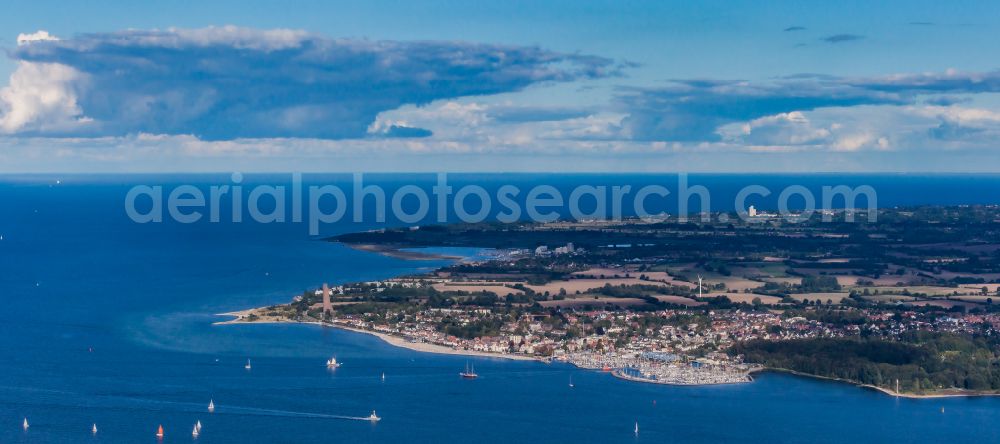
point(470, 372)
point(571, 382)
point(211, 406)
point(197, 425)
point(637, 427)
point(25, 424)
point(383, 376)
point(194, 431)
point(332, 363)
point(248, 365)
point(373, 417)
point(94, 429)
point(159, 432)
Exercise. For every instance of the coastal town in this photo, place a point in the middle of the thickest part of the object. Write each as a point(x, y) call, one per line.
point(669, 346)
point(664, 304)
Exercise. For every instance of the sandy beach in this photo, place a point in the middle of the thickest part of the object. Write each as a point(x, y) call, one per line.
point(390, 339)
point(428, 347)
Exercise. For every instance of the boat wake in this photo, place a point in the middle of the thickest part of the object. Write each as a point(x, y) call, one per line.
point(253, 411)
point(61, 398)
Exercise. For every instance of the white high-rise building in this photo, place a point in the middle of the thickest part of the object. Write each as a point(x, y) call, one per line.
point(752, 211)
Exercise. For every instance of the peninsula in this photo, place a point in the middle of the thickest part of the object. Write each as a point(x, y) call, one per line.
point(903, 305)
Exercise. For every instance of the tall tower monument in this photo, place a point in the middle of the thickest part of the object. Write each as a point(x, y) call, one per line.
point(327, 307)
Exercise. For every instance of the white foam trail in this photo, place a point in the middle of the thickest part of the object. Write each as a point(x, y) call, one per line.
point(57, 398)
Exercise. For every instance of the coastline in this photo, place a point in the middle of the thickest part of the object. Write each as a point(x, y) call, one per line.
point(885, 391)
point(423, 347)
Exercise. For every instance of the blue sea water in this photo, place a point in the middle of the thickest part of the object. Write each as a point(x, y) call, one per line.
point(106, 321)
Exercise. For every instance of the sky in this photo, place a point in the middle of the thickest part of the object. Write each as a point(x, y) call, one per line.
point(561, 86)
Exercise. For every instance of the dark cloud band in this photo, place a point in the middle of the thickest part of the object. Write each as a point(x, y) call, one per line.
point(226, 83)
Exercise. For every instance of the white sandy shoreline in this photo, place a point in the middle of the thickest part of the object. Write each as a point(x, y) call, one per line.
point(397, 341)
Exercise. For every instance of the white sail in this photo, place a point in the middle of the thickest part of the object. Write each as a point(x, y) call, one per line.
point(94, 429)
point(211, 406)
point(25, 423)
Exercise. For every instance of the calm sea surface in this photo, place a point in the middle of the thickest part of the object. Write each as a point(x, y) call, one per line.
point(110, 322)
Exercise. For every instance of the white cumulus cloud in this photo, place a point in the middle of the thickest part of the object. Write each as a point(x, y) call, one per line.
point(41, 97)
